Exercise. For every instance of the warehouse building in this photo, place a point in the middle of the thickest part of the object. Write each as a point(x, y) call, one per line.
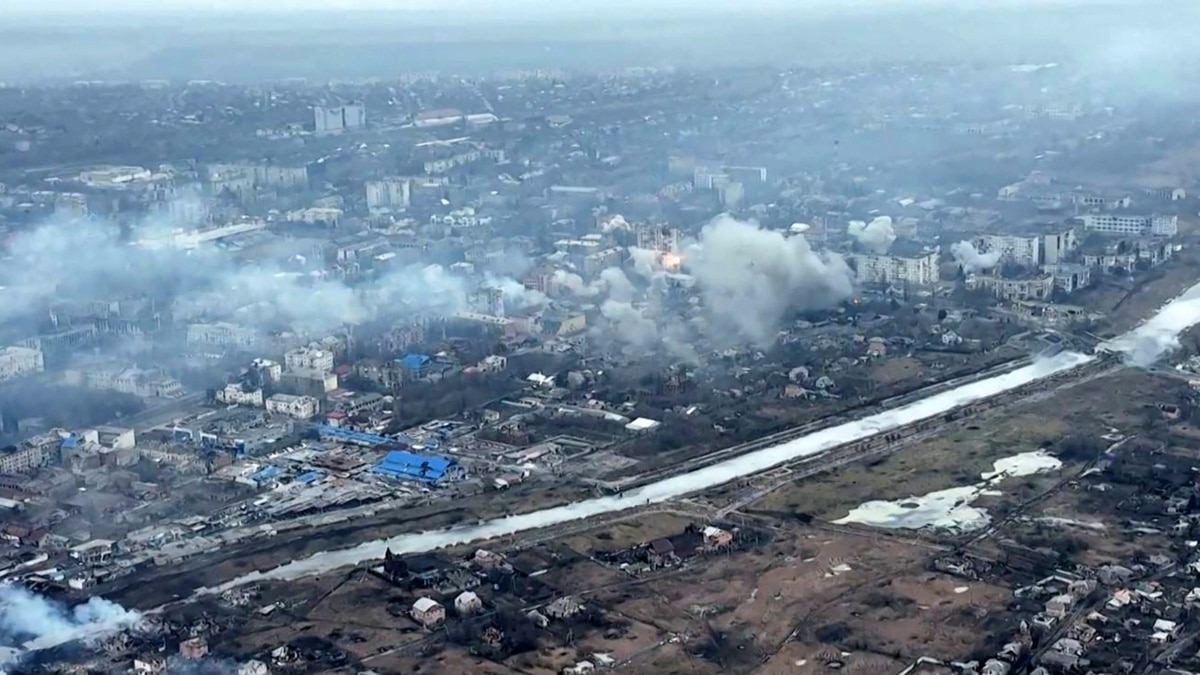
point(404, 465)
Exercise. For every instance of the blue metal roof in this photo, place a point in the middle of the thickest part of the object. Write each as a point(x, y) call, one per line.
point(265, 474)
point(411, 466)
point(310, 477)
point(416, 361)
point(326, 431)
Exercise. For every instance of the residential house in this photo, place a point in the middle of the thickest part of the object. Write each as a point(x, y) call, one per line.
point(428, 612)
point(563, 608)
point(715, 537)
point(467, 603)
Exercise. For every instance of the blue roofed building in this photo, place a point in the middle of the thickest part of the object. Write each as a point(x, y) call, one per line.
point(404, 465)
point(266, 475)
point(331, 433)
point(417, 364)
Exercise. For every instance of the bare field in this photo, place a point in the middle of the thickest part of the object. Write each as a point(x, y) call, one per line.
point(961, 454)
point(1076, 515)
point(627, 533)
point(877, 587)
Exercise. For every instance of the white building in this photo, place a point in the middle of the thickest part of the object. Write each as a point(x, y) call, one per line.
point(18, 361)
point(389, 193)
point(299, 407)
point(1058, 246)
point(235, 394)
point(467, 603)
point(335, 119)
point(316, 215)
point(221, 335)
point(1069, 277)
point(1023, 251)
point(268, 370)
point(919, 270)
point(1109, 223)
point(309, 358)
point(1025, 288)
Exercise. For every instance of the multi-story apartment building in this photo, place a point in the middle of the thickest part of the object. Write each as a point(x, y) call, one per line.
point(18, 361)
point(917, 270)
point(1131, 225)
point(1017, 250)
point(309, 358)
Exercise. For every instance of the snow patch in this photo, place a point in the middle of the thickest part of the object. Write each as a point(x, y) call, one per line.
point(951, 509)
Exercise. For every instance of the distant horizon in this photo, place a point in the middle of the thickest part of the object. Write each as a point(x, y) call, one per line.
point(499, 9)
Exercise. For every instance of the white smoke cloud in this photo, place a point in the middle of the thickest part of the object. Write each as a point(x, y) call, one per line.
point(971, 259)
point(36, 622)
point(64, 261)
point(617, 285)
point(1153, 340)
point(514, 292)
point(614, 223)
point(749, 277)
point(645, 262)
point(573, 283)
point(878, 235)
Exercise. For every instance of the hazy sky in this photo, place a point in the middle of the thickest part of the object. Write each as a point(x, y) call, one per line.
point(499, 7)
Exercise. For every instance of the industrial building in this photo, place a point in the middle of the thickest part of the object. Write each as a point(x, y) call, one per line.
point(404, 465)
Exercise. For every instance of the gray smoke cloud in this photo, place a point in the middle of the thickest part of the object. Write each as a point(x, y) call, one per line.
point(617, 285)
point(203, 283)
point(745, 280)
point(877, 236)
point(574, 283)
point(1158, 337)
point(749, 277)
point(971, 259)
point(614, 223)
point(644, 261)
point(33, 622)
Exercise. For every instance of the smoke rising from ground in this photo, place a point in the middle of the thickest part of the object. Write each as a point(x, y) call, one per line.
point(971, 260)
point(205, 284)
point(750, 277)
point(877, 236)
point(747, 280)
point(34, 622)
point(1158, 337)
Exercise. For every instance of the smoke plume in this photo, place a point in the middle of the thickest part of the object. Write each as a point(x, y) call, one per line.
point(877, 236)
point(614, 223)
point(971, 259)
point(206, 284)
point(34, 622)
point(749, 277)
